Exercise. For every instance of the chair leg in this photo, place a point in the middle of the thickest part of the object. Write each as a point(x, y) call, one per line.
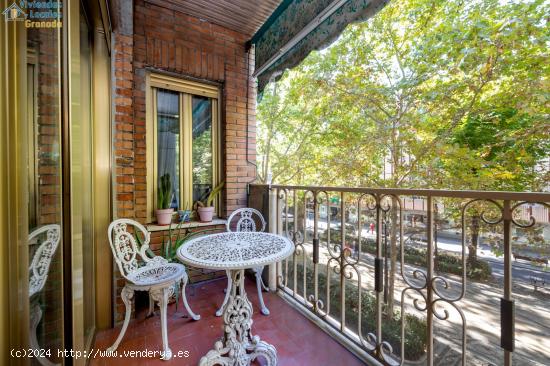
point(36, 315)
point(259, 284)
point(227, 293)
point(184, 297)
point(266, 289)
point(127, 295)
point(161, 296)
point(151, 311)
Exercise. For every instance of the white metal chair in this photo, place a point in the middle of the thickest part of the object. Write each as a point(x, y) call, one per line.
point(156, 275)
point(246, 223)
point(38, 274)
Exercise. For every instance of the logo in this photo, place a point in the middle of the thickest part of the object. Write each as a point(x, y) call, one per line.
point(14, 13)
point(36, 14)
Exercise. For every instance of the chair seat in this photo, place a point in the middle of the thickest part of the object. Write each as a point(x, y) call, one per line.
point(157, 274)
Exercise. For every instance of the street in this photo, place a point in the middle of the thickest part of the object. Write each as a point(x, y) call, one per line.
point(522, 271)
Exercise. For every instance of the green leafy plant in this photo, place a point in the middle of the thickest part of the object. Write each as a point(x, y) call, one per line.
point(171, 242)
point(415, 326)
point(211, 196)
point(164, 194)
point(174, 238)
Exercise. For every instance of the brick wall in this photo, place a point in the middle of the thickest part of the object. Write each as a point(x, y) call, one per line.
point(195, 274)
point(125, 129)
point(180, 44)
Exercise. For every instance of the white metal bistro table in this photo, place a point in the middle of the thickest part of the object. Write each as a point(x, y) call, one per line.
point(235, 252)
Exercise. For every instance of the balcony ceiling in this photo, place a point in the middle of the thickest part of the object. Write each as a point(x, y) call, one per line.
point(243, 16)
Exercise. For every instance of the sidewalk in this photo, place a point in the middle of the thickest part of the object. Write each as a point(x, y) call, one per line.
point(480, 307)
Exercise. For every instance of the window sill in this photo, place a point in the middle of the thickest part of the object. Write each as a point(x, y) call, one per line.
point(191, 224)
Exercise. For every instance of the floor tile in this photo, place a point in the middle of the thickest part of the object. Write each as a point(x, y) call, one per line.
point(298, 341)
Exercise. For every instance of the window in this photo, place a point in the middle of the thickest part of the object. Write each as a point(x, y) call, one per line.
point(32, 129)
point(182, 139)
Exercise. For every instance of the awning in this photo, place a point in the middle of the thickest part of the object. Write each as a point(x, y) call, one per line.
point(299, 26)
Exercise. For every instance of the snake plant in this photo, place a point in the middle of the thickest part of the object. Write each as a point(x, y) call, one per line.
point(164, 194)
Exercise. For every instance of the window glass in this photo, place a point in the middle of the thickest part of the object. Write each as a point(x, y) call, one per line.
point(45, 246)
point(202, 147)
point(86, 181)
point(168, 140)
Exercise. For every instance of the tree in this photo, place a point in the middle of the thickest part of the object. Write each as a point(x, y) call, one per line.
point(448, 94)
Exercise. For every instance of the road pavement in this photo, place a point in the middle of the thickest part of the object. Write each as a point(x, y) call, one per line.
point(450, 241)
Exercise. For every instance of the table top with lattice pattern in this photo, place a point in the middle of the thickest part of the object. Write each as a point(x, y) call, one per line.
point(235, 250)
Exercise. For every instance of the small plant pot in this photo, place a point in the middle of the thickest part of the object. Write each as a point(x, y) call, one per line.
point(205, 213)
point(164, 217)
point(184, 215)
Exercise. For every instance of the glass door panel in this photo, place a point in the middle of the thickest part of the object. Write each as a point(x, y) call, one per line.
point(82, 224)
point(43, 141)
point(86, 190)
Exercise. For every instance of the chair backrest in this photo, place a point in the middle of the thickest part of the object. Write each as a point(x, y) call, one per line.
point(246, 222)
point(124, 245)
point(40, 264)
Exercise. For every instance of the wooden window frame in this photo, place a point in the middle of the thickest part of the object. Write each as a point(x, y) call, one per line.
point(32, 138)
point(186, 89)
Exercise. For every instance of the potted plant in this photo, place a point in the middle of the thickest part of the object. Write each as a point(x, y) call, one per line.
point(164, 198)
point(206, 209)
point(172, 239)
point(185, 214)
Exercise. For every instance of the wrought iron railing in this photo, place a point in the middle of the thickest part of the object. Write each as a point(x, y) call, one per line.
point(393, 282)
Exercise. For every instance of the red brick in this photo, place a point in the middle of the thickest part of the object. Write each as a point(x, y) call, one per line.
point(167, 40)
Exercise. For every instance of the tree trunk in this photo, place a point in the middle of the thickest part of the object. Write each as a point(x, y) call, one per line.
point(472, 252)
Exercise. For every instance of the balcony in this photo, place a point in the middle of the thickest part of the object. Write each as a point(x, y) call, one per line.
point(129, 91)
point(361, 252)
point(333, 295)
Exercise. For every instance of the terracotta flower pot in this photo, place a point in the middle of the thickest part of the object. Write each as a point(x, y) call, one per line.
point(164, 217)
point(206, 213)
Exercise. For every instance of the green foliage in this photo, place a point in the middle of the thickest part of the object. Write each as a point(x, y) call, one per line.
point(415, 327)
point(478, 270)
point(174, 238)
point(210, 198)
point(450, 94)
point(215, 191)
point(164, 193)
point(140, 241)
point(170, 243)
point(202, 157)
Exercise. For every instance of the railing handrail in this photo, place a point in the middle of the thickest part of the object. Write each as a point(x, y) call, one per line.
point(495, 195)
point(326, 260)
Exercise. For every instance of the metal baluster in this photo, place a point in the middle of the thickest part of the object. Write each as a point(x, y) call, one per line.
point(294, 263)
point(359, 228)
point(378, 273)
point(507, 304)
point(342, 263)
point(429, 288)
point(277, 231)
point(304, 260)
point(287, 234)
point(328, 271)
point(315, 253)
point(277, 209)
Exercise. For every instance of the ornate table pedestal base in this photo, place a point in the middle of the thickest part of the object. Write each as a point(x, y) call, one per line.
point(238, 347)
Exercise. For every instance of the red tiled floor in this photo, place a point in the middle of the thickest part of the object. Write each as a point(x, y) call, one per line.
point(298, 341)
